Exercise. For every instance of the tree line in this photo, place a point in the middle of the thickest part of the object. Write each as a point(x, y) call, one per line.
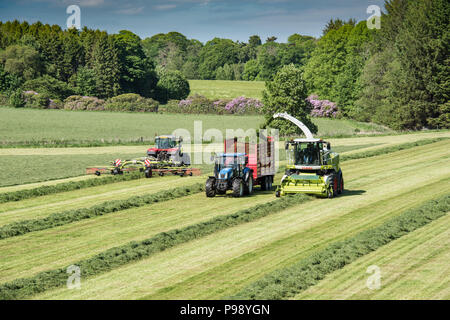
point(397, 75)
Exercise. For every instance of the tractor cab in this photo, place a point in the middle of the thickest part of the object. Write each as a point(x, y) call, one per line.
point(166, 142)
point(168, 149)
point(228, 165)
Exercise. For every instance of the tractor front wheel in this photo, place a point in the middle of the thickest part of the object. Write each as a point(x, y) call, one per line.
point(210, 188)
point(238, 188)
point(249, 185)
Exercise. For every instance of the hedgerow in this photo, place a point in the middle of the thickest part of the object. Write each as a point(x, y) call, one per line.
point(133, 251)
point(66, 186)
point(289, 281)
point(69, 216)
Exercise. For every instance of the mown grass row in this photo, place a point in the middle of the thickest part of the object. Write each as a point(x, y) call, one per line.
point(66, 186)
point(133, 251)
point(390, 149)
point(69, 216)
point(289, 281)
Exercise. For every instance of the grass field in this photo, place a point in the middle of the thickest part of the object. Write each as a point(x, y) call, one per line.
point(28, 126)
point(217, 89)
point(221, 264)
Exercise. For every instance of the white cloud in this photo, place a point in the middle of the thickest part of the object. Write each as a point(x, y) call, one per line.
point(165, 6)
point(130, 11)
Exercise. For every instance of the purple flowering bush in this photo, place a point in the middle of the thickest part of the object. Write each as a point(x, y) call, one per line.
point(323, 108)
point(243, 105)
point(199, 104)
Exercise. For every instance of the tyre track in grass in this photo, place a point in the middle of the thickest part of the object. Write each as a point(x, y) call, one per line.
point(202, 269)
point(412, 267)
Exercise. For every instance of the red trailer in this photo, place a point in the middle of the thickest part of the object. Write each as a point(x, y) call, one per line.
point(260, 158)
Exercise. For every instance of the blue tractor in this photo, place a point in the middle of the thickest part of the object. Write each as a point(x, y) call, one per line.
point(230, 173)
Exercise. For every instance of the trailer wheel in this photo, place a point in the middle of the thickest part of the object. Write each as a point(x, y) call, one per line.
point(148, 173)
point(269, 183)
point(210, 188)
point(238, 188)
point(249, 185)
point(263, 183)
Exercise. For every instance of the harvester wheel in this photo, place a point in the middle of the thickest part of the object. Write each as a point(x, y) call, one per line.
point(335, 186)
point(340, 183)
point(210, 188)
point(238, 188)
point(249, 185)
point(148, 173)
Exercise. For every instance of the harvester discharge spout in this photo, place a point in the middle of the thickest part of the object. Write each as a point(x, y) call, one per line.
point(297, 122)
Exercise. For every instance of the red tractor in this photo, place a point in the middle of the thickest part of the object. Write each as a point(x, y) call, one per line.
point(168, 149)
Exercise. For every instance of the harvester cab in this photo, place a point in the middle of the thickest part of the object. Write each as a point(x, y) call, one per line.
point(169, 149)
point(312, 167)
point(230, 173)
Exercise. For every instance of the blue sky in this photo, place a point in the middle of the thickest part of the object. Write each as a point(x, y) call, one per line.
point(199, 19)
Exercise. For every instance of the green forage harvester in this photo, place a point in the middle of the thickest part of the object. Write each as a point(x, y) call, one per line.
point(312, 167)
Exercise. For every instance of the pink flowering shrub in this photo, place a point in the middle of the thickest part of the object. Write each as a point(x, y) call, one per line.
point(243, 105)
point(322, 108)
point(199, 104)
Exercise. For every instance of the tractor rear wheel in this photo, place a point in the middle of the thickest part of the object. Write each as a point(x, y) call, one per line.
point(238, 188)
point(249, 185)
point(210, 188)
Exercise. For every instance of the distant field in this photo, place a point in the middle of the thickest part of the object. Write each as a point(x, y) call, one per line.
point(29, 126)
point(217, 89)
point(22, 125)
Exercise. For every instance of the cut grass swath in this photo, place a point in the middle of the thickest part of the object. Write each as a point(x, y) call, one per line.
point(289, 281)
point(66, 186)
point(133, 251)
point(69, 216)
point(390, 149)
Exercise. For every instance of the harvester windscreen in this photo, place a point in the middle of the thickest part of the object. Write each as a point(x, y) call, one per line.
point(303, 153)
